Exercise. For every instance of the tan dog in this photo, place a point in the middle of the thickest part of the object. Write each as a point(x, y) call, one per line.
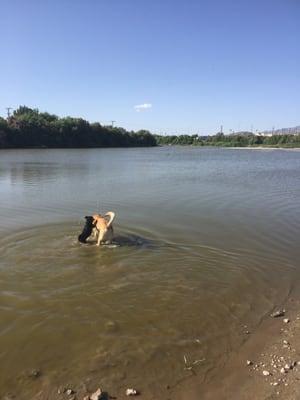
point(104, 227)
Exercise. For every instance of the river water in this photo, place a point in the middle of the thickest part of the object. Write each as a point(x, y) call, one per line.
point(208, 245)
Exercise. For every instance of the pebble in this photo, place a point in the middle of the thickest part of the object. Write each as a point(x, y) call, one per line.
point(35, 373)
point(286, 320)
point(69, 392)
point(266, 373)
point(96, 395)
point(111, 326)
point(283, 371)
point(278, 313)
point(131, 392)
point(249, 362)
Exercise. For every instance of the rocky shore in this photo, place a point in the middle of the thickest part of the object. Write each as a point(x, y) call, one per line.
point(267, 366)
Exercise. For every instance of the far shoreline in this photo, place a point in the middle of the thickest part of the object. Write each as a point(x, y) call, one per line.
point(151, 147)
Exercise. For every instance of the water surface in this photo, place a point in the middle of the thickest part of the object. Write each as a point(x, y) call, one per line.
point(208, 244)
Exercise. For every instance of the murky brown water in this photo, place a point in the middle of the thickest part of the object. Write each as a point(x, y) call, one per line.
point(208, 242)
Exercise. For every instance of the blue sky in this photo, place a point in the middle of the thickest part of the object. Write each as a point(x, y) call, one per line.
point(192, 65)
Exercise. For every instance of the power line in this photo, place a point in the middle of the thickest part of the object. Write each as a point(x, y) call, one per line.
point(8, 111)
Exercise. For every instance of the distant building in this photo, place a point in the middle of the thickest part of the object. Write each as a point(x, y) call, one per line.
point(283, 131)
point(266, 133)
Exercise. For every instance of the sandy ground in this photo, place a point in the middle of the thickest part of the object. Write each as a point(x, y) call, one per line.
point(273, 352)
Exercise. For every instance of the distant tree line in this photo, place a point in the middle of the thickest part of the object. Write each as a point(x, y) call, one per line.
point(243, 139)
point(28, 127)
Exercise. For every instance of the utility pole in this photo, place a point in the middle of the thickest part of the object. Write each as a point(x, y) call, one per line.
point(112, 123)
point(221, 128)
point(8, 111)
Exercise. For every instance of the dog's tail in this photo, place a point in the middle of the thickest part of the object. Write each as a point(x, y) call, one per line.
point(111, 216)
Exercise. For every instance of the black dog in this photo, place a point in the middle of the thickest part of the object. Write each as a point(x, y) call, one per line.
point(87, 229)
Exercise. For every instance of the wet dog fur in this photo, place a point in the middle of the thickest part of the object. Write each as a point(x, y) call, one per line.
point(104, 227)
point(100, 227)
point(87, 229)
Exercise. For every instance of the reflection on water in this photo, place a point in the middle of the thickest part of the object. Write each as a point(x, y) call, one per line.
point(207, 242)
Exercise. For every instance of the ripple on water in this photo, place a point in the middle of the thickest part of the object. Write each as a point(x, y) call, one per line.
point(144, 304)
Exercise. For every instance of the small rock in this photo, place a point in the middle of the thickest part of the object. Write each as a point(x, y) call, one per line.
point(96, 395)
point(286, 320)
point(131, 392)
point(283, 371)
point(69, 392)
point(266, 373)
point(249, 362)
point(275, 383)
point(35, 373)
point(278, 313)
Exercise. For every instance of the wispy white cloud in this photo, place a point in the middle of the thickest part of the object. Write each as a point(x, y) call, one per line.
point(142, 107)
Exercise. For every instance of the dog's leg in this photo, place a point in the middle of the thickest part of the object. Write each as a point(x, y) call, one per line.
point(94, 233)
point(100, 237)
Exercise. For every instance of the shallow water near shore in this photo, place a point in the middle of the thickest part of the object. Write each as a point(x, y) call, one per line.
point(207, 244)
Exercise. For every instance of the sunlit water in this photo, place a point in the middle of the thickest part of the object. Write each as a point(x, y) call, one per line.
point(208, 243)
